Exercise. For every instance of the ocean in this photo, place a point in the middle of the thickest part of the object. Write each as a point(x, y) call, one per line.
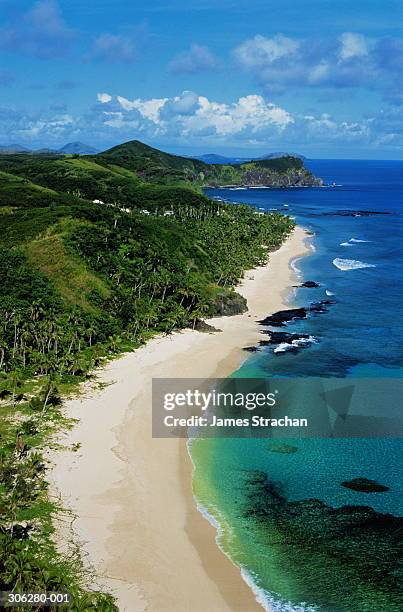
point(357, 261)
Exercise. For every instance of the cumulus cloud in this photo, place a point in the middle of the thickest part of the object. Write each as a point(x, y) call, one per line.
point(190, 114)
point(258, 52)
point(104, 98)
point(194, 120)
point(185, 104)
point(352, 45)
point(350, 60)
point(148, 109)
point(196, 59)
point(41, 32)
point(113, 48)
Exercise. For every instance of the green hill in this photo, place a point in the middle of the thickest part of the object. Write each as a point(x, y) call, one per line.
point(152, 165)
point(120, 175)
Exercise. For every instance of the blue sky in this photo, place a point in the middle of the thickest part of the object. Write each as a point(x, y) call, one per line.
point(323, 78)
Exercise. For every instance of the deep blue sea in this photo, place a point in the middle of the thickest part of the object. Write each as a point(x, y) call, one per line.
point(362, 333)
point(357, 259)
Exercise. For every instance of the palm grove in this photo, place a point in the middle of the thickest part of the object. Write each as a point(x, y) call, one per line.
point(83, 280)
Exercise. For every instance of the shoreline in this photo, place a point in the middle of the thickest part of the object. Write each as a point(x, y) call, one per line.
point(136, 517)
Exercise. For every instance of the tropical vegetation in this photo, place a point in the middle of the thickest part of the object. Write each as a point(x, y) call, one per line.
point(81, 281)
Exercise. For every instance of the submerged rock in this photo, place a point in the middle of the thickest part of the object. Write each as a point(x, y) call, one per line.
point(321, 306)
point(286, 449)
point(251, 349)
point(364, 485)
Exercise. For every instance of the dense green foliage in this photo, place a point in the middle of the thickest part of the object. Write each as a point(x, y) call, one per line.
point(81, 281)
point(99, 272)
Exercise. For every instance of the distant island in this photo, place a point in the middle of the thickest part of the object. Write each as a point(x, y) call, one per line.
point(214, 158)
point(77, 148)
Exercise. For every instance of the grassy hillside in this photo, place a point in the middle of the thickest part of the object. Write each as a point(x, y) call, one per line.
point(119, 176)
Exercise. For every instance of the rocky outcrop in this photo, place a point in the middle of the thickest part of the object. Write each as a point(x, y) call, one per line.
point(228, 304)
point(308, 284)
point(256, 176)
point(202, 326)
point(281, 317)
point(279, 337)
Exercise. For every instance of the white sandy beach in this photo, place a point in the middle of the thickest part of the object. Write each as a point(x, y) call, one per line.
point(136, 517)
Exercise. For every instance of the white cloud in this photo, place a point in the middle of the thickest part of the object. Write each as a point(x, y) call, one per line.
point(194, 120)
point(184, 104)
point(196, 59)
point(104, 98)
point(113, 48)
point(260, 51)
point(319, 73)
point(149, 109)
point(350, 60)
point(190, 114)
point(57, 125)
point(352, 45)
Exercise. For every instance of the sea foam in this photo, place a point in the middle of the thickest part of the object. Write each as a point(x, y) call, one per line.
point(269, 601)
point(357, 240)
point(346, 243)
point(283, 347)
point(295, 269)
point(351, 264)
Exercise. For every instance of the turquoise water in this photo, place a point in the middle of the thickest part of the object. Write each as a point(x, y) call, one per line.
point(357, 260)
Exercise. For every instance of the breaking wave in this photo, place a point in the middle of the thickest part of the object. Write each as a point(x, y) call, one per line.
point(351, 264)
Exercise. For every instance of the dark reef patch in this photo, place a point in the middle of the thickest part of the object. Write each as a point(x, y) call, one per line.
point(346, 558)
point(321, 306)
point(286, 449)
point(364, 485)
point(351, 213)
